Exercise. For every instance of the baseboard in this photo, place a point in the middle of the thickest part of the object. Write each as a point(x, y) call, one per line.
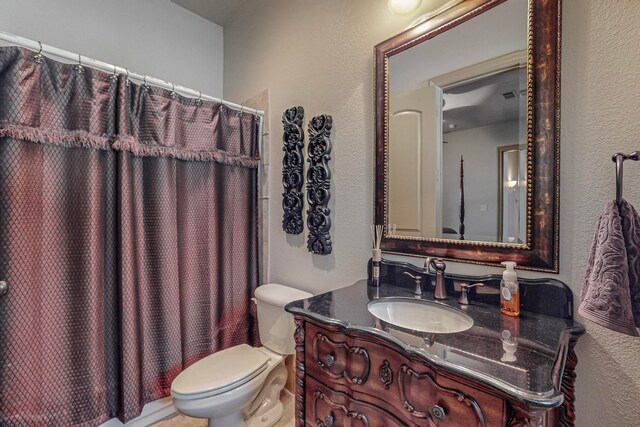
point(151, 413)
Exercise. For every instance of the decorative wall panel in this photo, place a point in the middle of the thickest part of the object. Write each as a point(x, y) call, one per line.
point(292, 170)
point(319, 185)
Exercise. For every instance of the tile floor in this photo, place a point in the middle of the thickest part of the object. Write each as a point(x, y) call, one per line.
point(182, 421)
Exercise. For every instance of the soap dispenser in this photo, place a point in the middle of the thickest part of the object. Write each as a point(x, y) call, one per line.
point(509, 291)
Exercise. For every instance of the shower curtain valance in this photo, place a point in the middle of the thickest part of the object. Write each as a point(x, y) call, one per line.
point(105, 112)
point(51, 103)
point(152, 122)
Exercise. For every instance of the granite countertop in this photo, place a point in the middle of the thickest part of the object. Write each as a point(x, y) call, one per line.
point(477, 353)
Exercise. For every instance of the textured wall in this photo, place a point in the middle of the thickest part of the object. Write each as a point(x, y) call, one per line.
point(153, 37)
point(319, 55)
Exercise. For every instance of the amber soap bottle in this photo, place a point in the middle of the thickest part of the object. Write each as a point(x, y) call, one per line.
point(510, 291)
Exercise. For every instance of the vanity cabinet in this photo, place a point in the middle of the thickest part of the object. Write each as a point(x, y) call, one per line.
point(357, 380)
point(353, 369)
point(361, 381)
point(351, 379)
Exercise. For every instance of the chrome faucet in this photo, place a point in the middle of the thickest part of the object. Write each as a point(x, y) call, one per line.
point(439, 266)
point(418, 280)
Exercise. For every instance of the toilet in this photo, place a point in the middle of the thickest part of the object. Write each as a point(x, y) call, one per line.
point(240, 386)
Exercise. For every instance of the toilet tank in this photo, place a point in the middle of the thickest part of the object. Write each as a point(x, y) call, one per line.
point(276, 325)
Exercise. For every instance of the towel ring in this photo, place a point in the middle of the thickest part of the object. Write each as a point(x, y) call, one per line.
point(619, 159)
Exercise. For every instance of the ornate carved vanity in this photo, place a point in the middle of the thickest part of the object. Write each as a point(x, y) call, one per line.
point(354, 370)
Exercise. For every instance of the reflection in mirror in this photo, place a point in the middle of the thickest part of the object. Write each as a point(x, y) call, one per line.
point(512, 191)
point(458, 103)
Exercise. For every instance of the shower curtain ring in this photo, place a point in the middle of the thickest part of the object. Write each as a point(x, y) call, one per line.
point(145, 86)
point(39, 57)
point(79, 67)
point(173, 91)
point(199, 100)
point(114, 76)
point(127, 83)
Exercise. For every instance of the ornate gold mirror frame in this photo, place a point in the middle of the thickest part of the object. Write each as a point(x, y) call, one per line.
point(540, 251)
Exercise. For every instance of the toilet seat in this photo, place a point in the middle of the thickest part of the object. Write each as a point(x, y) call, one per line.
point(220, 372)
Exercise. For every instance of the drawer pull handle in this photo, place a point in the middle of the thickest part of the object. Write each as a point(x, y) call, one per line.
point(328, 421)
point(329, 360)
point(438, 413)
point(324, 345)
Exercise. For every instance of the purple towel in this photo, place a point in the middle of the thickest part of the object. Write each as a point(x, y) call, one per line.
point(611, 288)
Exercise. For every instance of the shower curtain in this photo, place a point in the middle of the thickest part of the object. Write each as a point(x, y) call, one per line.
point(188, 248)
point(128, 237)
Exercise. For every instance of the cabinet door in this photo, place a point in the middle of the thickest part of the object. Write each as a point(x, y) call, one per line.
point(329, 408)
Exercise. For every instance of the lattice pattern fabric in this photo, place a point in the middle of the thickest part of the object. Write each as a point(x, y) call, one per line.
point(127, 234)
point(189, 241)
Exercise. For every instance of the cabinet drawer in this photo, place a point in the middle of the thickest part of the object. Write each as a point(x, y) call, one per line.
point(328, 408)
point(380, 375)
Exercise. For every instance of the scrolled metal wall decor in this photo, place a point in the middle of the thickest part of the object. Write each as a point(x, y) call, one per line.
point(292, 170)
point(319, 185)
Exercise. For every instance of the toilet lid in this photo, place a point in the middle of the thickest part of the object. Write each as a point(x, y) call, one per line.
point(279, 295)
point(219, 372)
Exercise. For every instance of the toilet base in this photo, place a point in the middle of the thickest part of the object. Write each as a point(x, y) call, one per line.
point(268, 418)
point(231, 420)
point(267, 409)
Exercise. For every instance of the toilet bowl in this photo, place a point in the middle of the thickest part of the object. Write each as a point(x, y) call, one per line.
point(240, 386)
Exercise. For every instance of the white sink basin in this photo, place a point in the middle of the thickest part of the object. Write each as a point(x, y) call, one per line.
point(420, 315)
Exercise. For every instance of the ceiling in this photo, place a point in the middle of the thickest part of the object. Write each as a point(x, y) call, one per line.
point(494, 99)
point(217, 11)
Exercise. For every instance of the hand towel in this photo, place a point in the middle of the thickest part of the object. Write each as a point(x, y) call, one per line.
point(611, 289)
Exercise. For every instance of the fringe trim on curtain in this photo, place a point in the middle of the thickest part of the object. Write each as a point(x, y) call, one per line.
point(80, 138)
point(139, 150)
point(64, 138)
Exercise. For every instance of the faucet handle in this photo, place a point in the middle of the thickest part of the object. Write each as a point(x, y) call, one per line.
point(464, 291)
point(416, 277)
point(418, 280)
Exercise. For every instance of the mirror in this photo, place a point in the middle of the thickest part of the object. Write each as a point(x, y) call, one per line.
point(468, 104)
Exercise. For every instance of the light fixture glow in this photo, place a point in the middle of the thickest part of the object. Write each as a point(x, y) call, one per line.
point(404, 7)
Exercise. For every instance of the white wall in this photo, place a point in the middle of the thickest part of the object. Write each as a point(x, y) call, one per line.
point(320, 55)
point(153, 37)
point(479, 146)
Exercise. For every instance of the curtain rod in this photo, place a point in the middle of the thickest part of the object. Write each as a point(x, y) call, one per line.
point(103, 66)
